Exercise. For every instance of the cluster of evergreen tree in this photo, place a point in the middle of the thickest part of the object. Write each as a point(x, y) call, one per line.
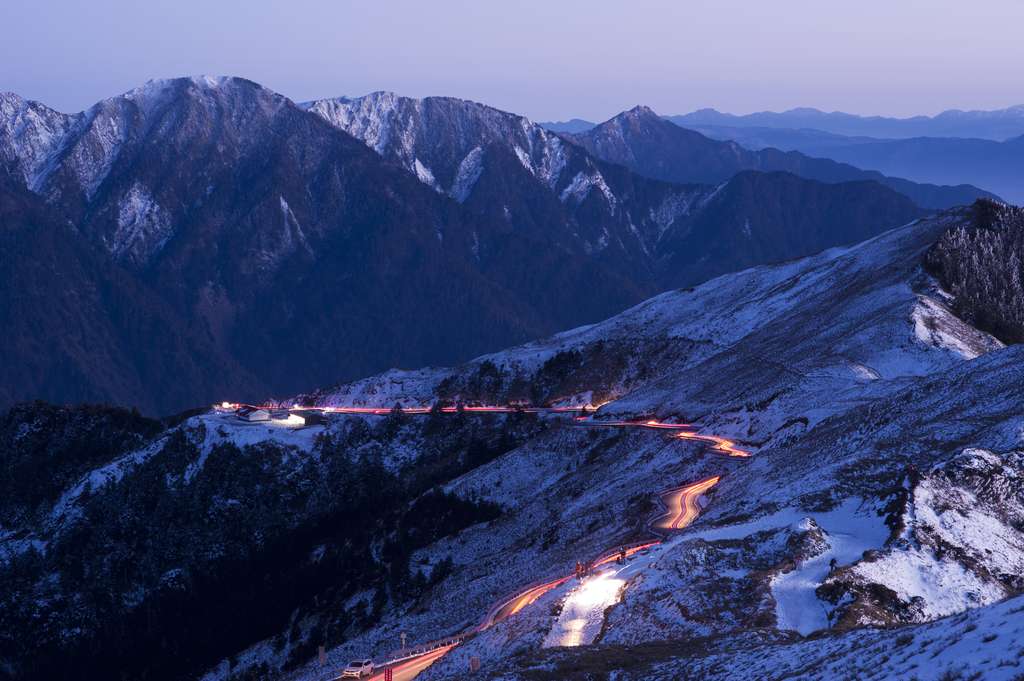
point(166, 572)
point(981, 262)
point(597, 367)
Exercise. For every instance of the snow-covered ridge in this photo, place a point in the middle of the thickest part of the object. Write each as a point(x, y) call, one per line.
point(143, 226)
point(442, 139)
point(71, 156)
point(41, 142)
point(30, 134)
point(724, 311)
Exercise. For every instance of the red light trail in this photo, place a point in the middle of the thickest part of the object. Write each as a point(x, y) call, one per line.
point(682, 506)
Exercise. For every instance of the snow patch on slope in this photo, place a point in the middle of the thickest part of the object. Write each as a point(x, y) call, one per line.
point(583, 183)
point(957, 549)
point(143, 226)
point(31, 134)
point(425, 175)
point(936, 325)
point(938, 586)
point(66, 510)
point(467, 175)
point(847, 532)
point(671, 209)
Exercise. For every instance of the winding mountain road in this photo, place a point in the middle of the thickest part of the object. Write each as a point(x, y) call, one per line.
point(682, 508)
point(683, 504)
point(411, 668)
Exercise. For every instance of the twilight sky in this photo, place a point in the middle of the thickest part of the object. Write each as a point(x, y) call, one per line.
point(549, 59)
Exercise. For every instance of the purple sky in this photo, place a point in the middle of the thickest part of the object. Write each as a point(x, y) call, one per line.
point(549, 59)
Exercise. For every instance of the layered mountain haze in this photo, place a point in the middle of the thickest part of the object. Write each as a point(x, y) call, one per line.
point(996, 125)
point(995, 165)
point(814, 124)
point(571, 125)
point(655, 147)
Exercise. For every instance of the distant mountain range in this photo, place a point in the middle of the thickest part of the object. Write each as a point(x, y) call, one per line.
point(996, 166)
point(997, 125)
point(203, 237)
point(571, 125)
point(983, 160)
point(653, 146)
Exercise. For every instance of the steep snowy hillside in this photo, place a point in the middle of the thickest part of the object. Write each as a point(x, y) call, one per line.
point(883, 490)
point(729, 350)
point(176, 544)
point(980, 263)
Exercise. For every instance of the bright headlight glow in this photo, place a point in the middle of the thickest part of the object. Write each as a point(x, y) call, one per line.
point(583, 610)
point(602, 590)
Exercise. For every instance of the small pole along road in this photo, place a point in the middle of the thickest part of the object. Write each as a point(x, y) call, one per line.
point(682, 506)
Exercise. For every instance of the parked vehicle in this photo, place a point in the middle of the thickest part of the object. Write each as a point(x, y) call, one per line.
point(358, 669)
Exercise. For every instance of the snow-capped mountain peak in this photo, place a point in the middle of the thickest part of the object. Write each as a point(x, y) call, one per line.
point(30, 134)
point(438, 134)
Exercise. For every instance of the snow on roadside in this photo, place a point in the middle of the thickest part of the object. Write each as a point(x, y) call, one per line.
point(221, 428)
point(583, 610)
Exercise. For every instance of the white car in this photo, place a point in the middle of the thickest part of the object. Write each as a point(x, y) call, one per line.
point(358, 669)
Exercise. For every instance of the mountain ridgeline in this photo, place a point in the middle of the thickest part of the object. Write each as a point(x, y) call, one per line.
point(808, 122)
point(206, 238)
point(991, 125)
point(653, 146)
point(993, 164)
